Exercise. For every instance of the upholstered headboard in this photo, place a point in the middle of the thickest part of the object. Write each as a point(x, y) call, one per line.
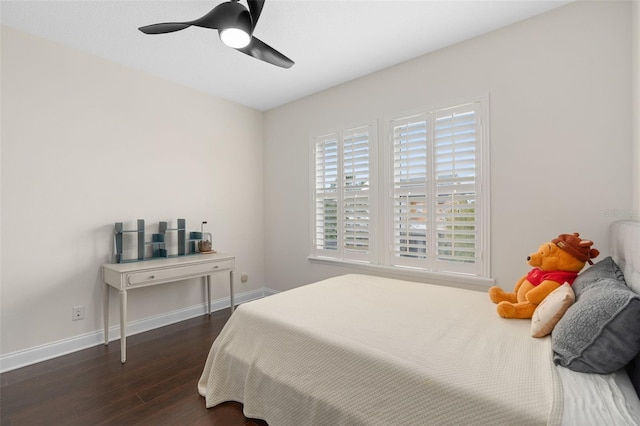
point(625, 251)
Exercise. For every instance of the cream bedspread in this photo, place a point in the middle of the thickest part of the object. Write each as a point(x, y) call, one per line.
point(362, 350)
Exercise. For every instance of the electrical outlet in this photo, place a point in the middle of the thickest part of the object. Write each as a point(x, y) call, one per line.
point(244, 278)
point(77, 313)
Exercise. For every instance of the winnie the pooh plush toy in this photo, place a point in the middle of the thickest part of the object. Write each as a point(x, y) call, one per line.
point(553, 264)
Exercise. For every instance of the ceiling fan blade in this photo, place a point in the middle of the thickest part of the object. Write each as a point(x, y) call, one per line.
point(220, 16)
point(166, 27)
point(255, 8)
point(264, 52)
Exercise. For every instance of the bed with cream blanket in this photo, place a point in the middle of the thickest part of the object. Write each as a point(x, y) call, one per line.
point(365, 350)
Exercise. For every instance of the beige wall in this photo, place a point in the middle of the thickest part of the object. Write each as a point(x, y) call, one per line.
point(559, 87)
point(86, 143)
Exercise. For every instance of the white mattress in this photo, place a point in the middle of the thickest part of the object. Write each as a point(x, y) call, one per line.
point(360, 350)
point(598, 399)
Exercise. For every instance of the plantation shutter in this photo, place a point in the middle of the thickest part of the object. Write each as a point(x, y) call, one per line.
point(433, 181)
point(326, 193)
point(410, 190)
point(342, 197)
point(435, 190)
point(456, 173)
point(356, 192)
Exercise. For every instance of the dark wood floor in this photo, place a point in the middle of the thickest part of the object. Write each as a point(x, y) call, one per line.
point(156, 386)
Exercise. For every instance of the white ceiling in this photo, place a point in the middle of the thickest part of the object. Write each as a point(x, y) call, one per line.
point(331, 41)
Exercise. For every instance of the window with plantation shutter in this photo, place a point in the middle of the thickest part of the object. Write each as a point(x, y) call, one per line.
point(430, 188)
point(437, 205)
point(343, 204)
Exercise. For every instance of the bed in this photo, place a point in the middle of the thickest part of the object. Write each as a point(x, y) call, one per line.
point(366, 350)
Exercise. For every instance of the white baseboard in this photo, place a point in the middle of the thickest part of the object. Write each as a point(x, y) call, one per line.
point(36, 354)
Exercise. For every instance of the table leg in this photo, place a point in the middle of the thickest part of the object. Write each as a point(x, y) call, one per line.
point(123, 326)
point(233, 305)
point(208, 281)
point(105, 307)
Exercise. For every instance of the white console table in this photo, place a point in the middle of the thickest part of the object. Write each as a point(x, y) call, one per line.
point(129, 276)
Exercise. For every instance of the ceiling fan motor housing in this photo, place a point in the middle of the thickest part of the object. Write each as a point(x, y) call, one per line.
point(231, 15)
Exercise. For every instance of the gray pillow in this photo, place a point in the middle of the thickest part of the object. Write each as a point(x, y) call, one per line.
point(599, 333)
point(606, 268)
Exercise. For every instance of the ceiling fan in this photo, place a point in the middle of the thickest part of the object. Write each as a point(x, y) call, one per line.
point(235, 25)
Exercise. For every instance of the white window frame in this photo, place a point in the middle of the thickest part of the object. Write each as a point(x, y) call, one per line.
point(380, 257)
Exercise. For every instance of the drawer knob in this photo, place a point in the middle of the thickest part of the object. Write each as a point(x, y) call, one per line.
point(215, 267)
point(152, 277)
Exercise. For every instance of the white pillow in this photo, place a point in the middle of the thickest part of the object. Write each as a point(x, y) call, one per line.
point(551, 309)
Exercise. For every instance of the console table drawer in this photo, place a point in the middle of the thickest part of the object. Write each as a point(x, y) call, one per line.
point(156, 276)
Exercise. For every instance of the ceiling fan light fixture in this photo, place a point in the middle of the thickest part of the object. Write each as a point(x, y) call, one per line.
point(235, 37)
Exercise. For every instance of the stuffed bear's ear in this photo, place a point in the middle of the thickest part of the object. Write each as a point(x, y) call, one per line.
point(593, 253)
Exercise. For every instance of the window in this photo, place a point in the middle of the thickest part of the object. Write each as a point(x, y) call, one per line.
point(436, 202)
point(343, 201)
point(433, 186)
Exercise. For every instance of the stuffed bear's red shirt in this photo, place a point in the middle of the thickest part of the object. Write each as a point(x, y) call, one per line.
point(537, 275)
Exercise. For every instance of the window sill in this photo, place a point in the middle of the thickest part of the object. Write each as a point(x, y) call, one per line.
point(470, 282)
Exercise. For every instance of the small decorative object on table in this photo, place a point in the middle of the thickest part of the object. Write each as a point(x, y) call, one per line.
point(188, 243)
point(205, 245)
